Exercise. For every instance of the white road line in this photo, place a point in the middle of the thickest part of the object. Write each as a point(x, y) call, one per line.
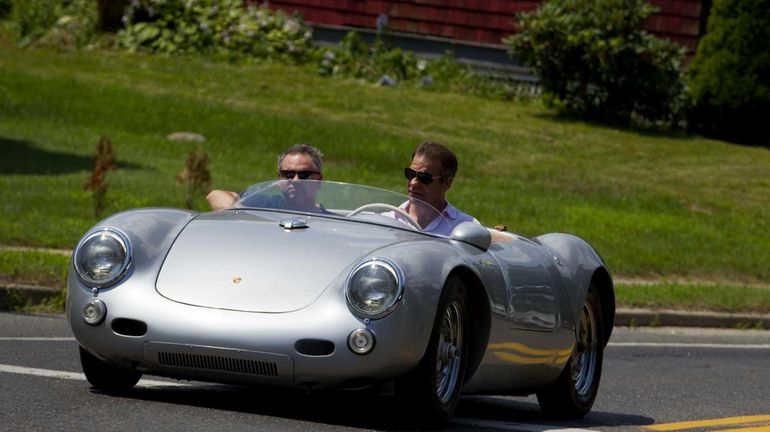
point(688, 345)
point(38, 339)
point(511, 426)
point(49, 373)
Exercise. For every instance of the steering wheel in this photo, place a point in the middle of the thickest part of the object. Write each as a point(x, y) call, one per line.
point(381, 206)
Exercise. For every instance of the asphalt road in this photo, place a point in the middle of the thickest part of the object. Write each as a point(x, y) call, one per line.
point(652, 378)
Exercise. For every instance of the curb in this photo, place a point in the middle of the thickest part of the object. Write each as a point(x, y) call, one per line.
point(13, 296)
point(678, 318)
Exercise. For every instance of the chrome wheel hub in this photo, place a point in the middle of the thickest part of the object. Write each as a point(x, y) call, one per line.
point(584, 356)
point(450, 345)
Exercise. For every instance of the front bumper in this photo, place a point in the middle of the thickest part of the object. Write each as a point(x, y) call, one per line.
point(152, 334)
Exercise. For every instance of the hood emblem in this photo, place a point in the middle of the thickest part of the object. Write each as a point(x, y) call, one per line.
point(237, 279)
point(293, 223)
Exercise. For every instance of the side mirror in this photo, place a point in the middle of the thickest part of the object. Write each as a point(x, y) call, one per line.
point(472, 233)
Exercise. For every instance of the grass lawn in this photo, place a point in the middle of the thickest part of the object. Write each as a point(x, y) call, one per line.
point(653, 205)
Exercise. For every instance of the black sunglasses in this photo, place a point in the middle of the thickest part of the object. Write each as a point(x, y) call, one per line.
point(422, 177)
point(289, 174)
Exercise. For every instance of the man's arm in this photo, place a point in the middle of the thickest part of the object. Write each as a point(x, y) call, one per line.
point(221, 199)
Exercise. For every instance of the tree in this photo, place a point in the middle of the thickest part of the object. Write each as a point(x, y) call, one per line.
point(729, 78)
point(593, 59)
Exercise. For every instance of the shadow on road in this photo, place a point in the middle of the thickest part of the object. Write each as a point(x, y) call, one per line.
point(367, 410)
point(520, 410)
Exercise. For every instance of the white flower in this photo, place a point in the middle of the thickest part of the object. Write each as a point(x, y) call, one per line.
point(291, 26)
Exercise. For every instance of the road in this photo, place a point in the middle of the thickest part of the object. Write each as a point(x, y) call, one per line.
point(653, 379)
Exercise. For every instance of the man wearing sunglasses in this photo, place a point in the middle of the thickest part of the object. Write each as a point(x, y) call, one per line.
point(300, 161)
point(429, 177)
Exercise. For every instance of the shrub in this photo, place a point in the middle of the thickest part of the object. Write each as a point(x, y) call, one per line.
point(593, 60)
point(33, 18)
point(379, 61)
point(63, 23)
point(358, 59)
point(97, 182)
point(730, 73)
point(5, 8)
point(222, 27)
point(195, 176)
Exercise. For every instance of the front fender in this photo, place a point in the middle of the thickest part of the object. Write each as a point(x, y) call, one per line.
point(150, 231)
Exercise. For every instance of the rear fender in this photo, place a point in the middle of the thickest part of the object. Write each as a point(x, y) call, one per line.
point(580, 266)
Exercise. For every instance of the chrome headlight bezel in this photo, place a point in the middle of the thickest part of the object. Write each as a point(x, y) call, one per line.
point(113, 238)
point(353, 289)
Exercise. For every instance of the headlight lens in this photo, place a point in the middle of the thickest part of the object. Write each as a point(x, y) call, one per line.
point(102, 258)
point(374, 288)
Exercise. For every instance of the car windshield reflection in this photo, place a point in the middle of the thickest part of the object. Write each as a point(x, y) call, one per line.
point(340, 200)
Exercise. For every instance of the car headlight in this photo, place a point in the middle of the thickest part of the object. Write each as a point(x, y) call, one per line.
point(374, 288)
point(102, 258)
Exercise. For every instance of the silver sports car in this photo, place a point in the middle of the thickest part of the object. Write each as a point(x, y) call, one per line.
point(325, 285)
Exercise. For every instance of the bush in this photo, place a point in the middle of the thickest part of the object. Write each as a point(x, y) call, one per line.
point(63, 23)
point(358, 59)
point(381, 62)
point(5, 8)
point(730, 74)
point(195, 176)
point(97, 182)
point(31, 19)
point(594, 60)
point(221, 27)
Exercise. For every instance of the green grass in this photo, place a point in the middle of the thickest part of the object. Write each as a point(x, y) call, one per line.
point(34, 268)
point(652, 204)
point(704, 297)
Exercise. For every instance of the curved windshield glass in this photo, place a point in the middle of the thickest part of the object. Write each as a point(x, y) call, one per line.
point(334, 199)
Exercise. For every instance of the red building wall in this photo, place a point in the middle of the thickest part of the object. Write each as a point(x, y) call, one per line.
point(480, 21)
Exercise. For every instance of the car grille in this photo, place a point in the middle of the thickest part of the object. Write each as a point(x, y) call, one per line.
point(222, 363)
point(217, 363)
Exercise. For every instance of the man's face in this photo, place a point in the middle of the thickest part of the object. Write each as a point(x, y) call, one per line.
point(299, 195)
point(433, 193)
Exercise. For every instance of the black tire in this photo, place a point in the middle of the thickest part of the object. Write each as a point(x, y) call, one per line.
point(433, 388)
point(105, 377)
point(573, 393)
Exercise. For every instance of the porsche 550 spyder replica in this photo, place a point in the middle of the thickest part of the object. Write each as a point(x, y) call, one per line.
point(348, 293)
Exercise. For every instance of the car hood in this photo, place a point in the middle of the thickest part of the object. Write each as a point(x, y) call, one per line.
point(246, 261)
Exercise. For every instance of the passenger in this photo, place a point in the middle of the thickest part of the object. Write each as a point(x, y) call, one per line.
point(430, 176)
point(300, 161)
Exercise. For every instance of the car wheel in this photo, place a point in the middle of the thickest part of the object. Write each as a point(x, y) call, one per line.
point(106, 377)
point(574, 391)
point(433, 388)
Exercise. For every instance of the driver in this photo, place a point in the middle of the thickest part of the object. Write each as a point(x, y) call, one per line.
point(301, 161)
point(429, 177)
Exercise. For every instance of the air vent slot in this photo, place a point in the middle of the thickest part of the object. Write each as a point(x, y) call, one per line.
point(314, 347)
point(129, 327)
point(217, 363)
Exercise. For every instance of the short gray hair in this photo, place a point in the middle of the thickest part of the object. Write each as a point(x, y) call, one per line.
point(316, 155)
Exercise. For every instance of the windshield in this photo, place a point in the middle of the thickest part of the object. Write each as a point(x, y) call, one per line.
point(334, 199)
